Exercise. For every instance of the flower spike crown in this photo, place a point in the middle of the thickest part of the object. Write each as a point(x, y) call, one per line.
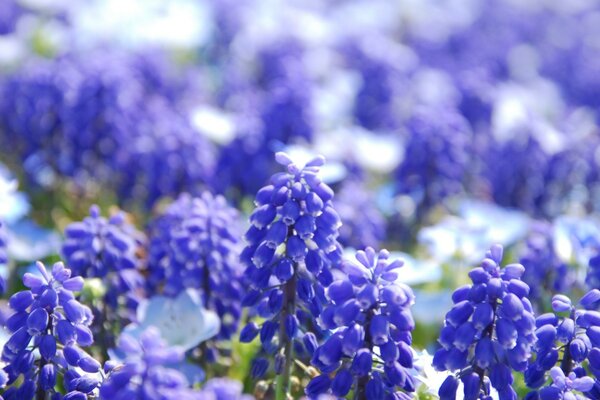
point(47, 327)
point(568, 340)
point(489, 331)
point(291, 249)
point(370, 351)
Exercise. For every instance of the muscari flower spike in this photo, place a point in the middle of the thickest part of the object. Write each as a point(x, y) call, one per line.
point(108, 248)
point(568, 341)
point(489, 331)
point(48, 327)
point(291, 248)
point(145, 372)
point(223, 389)
point(195, 244)
point(370, 351)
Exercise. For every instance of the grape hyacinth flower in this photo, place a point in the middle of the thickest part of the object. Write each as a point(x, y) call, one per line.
point(291, 248)
point(436, 158)
point(223, 389)
point(568, 339)
point(370, 351)
point(108, 249)
point(545, 273)
point(364, 224)
point(145, 371)
point(489, 331)
point(195, 244)
point(48, 327)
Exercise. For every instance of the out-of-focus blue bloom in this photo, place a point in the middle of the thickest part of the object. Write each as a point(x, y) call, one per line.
point(479, 226)
point(13, 204)
point(195, 244)
point(182, 321)
point(145, 370)
point(545, 273)
point(565, 340)
point(109, 249)
point(291, 248)
point(576, 239)
point(369, 309)
point(3, 242)
point(436, 158)
point(48, 327)
point(10, 11)
point(362, 222)
point(489, 331)
point(223, 389)
point(27, 241)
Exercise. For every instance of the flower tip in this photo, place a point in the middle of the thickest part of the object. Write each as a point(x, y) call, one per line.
point(283, 158)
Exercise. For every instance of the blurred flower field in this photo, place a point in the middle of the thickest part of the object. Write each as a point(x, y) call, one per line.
point(268, 199)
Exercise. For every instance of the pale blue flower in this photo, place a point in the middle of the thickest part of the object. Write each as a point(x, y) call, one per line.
point(416, 271)
point(182, 321)
point(27, 241)
point(576, 239)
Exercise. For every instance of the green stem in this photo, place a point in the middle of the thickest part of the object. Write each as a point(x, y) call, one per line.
point(282, 385)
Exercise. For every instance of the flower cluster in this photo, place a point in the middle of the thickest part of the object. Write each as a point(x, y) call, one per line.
point(570, 336)
point(145, 372)
point(195, 244)
point(3, 244)
point(223, 389)
point(545, 272)
point(370, 351)
point(369, 230)
point(592, 278)
point(291, 248)
point(435, 158)
point(489, 331)
point(48, 327)
point(107, 248)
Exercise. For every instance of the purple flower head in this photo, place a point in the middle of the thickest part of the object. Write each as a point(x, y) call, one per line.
point(568, 340)
point(195, 244)
point(370, 312)
point(223, 389)
point(490, 330)
point(49, 320)
point(364, 224)
point(291, 248)
point(436, 157)
point(545, 272)
point(145, 369)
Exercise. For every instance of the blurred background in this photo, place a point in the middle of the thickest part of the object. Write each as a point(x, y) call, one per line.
point(448, 125)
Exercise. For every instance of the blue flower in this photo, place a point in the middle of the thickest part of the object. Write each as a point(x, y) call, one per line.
point(370, 312)
point(195, 244)
point(223, 389)
point(489, 331)
point(109, 249)
point(145, 369)
point(364, 224)
point(181, 321)
point(49, 320)
point(291, 248)
point(567, 338)
point(436, 158)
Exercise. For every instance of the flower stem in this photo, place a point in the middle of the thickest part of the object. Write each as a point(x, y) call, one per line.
point(282, 385)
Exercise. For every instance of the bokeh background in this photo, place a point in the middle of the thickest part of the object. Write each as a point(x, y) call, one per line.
point(447, 125)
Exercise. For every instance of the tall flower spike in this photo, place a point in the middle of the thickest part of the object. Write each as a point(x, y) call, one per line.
point(291, 247)
point(195, 244)
point(145, 372)
point(568, 340)
point(489, 331)
point(48, 327)
point(108, 249)
point(370, 351)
